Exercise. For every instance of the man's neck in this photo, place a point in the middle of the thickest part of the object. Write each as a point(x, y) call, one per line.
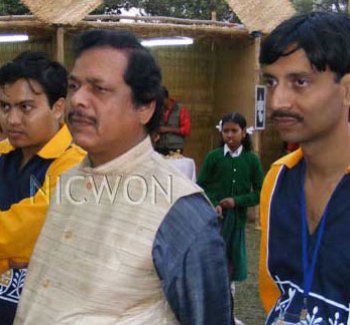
point(328, 158)
point(26, 156)
point(29, 152)
point(102, 157)
point(326, 164)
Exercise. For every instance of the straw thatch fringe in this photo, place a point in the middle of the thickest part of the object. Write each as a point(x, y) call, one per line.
point(62, 11)
point(161, 19)
point(152, 30)
point(262, 15)
point(142, 29)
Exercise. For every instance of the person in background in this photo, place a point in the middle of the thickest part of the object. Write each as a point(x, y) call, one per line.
point(292, 147)
point(37, 150)
point(305, 206)
point(174, 127)
point(112, 251)
point(289, 147)
point(232, 177)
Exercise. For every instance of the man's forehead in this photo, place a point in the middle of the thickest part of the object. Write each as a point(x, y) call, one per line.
point(22, 88)
point(293, 63)
point(99, 64)
point(105, 55)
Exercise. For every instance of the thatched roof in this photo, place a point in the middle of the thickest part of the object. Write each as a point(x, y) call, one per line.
point(262, 15)
point(145, 27)
point(61, 11)
point(256, 15)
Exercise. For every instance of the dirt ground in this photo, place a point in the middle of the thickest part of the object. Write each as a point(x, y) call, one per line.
point(247, 303)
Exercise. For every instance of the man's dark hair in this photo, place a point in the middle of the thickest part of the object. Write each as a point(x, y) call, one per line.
point(323, 36)
point(50, 75)
point(142, 73)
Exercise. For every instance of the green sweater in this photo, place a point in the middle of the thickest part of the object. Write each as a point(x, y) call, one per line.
point(240, 177)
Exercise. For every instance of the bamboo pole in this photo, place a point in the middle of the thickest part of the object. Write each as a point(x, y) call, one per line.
point(257, 45)
point(116, 18)
point(257, 138)
point(60, 44)
point(160, 19)
point(143, 29)
point(17, 18)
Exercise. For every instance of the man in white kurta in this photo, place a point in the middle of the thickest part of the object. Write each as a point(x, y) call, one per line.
point(128, 238)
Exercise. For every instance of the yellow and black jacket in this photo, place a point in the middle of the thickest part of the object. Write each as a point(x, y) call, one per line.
point(281, 262)
point(24, 199)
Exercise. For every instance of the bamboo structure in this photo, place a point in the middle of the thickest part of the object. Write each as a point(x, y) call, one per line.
point(62, 11)
point(215, 75)
point(262, 15)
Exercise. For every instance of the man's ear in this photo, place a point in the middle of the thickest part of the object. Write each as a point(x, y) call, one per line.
point(345, 83)
point(146, 112)
point(58, 109)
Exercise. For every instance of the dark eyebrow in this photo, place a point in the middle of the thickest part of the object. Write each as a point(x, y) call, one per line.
point(72, 78)
point(296, 75)
point(26, 101)
point(291, 75)
point(91, 81)
point(95, 81)
point(267, 75)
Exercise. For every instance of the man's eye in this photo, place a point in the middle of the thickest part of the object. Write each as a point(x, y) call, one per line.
point(100, 89)
point(270, 83)
point(26, 107)
point(5, 107)
point(72, 86)
point(301, 82)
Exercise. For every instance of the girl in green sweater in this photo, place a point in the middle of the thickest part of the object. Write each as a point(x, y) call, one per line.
point(232, 177)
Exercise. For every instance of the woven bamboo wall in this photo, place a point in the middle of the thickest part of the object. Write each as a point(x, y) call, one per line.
point(235, 84)
point(9, 51)
point(189, 73)
point(212, 77)
point(272, 146)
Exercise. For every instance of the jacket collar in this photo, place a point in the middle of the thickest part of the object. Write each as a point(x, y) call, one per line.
point(136, 155)
point(292, 159)
point(52, 149)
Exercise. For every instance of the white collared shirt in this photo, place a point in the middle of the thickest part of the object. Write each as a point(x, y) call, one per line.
point(233, 154)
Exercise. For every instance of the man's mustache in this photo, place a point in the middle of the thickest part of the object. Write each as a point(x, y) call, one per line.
point(277, 114)
point(81, 115)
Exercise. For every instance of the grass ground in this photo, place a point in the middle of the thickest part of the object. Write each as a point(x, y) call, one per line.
point(247, 303)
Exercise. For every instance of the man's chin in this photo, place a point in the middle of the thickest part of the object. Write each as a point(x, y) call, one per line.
point(18, 144)
point(289, 137)
point(83, 141)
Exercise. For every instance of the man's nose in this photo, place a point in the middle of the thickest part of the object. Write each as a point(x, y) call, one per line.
point(280, 97)
point(14, 116)
point(78, 98)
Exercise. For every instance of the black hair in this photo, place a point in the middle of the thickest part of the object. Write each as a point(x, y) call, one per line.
point(239, 119)
point(142, 73)
point(323, 36)
point(165, 92)
point(36, 66)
